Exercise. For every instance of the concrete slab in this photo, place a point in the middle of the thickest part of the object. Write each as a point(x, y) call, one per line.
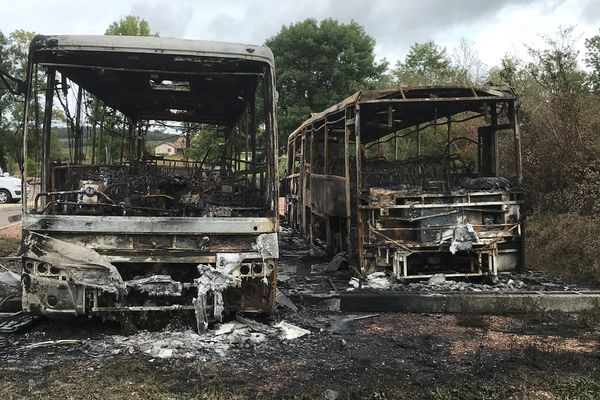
point(492, 303)
point(472, 302)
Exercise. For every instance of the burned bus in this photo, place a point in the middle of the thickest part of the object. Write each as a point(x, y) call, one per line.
point(414, 181)
point(116, 228)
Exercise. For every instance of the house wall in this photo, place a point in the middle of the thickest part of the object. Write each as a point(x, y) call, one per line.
point(164, 148)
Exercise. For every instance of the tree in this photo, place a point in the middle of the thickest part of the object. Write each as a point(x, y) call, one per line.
point(319, 64)
point(13, 60)
point(560, 135)
point(108, 126)
point(467, 66)
point(5, 98)
point(425, 64)
point(206, 145)
point(130, 26)
point(508, 73)
point(555, 67)
point(592, 60)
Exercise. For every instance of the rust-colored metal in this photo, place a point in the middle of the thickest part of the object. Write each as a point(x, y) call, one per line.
point(449, 211)
point(139, 232)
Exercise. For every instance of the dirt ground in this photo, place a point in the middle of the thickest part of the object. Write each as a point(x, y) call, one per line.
point(13, 230)
point(383, 356)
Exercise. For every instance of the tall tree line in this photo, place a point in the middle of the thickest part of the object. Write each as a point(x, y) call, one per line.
point(319, 63)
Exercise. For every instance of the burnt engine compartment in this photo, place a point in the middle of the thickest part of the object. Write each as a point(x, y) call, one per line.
point(152, 188)
point(171, 285)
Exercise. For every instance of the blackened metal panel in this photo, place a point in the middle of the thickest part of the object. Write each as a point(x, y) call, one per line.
point(328, 195)
point(147, 225)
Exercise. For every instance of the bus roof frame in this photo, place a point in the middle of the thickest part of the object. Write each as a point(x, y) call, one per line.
point(120, 70)
point(422, 104)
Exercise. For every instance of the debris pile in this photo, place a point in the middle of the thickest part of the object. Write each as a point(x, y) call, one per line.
point(240, 334)
point(461, 238)
point(215, 281)
point(485, 183)
point(376, 280)
point(440, 283)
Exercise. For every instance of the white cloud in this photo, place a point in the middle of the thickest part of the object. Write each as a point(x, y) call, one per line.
point(163, 17)
point(496, 27)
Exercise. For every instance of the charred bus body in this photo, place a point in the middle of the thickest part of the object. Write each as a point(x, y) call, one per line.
point(416, 181)
point(115, 228)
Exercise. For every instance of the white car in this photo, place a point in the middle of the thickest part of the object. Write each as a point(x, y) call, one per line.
point(10, 188)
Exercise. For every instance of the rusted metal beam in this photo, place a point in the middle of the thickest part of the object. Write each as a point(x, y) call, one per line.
point(331, 177)
point(495, 151)
point(359, 212)
point(47, 129)
point(347, 186)
point(514, 117)
point(435, 100)
point(449, 165)
point(135, 225)
point(326, 150)
point(157, 71)
point(252, 106)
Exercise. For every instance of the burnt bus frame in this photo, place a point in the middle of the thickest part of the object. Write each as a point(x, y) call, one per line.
point(338, 199)
point(116, 238)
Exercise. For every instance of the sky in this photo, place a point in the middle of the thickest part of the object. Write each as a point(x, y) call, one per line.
point(495, 27)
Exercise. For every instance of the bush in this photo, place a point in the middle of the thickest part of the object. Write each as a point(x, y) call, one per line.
point(564, 246)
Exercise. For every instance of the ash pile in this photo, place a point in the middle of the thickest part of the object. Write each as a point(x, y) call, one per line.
point(306, 270)
point(510, 283)
point(219, 342)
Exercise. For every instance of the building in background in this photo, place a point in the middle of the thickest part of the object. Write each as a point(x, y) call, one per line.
point(170, 148)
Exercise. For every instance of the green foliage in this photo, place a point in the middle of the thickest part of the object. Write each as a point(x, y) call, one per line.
point(580, 388)
point(508, 73)
point(58, 153)
point(472, 391)
point(592, 60)
point(425, 64)
point(206, 143)
point(17, 52)
point(319, 64)
point(555, 67)
point(467, 68)
point(561, 133)
point(13, 60)
point(570, 388)
point(130, 26)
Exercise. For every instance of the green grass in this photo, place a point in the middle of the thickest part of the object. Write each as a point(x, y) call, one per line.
point(580, 388)
point(9, 246)
point(555, 387)
point(119, 378)
point(127, 377)
point(472, 391)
